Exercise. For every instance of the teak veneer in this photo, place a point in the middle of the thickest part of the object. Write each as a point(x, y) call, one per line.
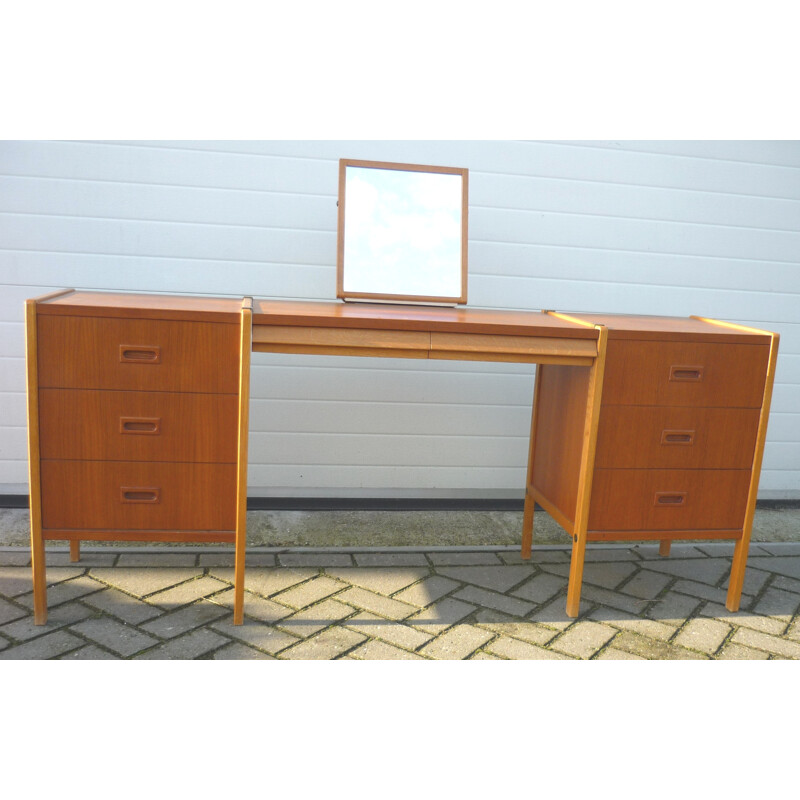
point(138, 405)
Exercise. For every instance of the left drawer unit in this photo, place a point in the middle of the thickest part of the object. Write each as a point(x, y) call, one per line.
point(137, 420)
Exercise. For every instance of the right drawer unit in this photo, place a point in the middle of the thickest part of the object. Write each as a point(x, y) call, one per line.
point(677, 436)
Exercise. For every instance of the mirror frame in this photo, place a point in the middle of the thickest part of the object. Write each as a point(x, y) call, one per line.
point(400, 298)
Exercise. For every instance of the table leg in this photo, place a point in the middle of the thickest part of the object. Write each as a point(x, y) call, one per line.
point(527, 515)
point(664, 546)
point(592, 420)
point(245, 346)
point(75, 550)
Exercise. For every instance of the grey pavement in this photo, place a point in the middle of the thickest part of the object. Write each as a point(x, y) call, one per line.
point(434, 603)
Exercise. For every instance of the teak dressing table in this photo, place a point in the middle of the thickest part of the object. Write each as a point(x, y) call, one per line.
point(642, 427)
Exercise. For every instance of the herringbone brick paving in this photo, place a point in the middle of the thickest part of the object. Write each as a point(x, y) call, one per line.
point(176, 603)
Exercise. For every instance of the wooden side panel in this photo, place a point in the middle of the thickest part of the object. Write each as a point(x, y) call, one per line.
point(138, 495)
point(559, 435)
point(655, 437)
point(138, 426)
point(150, 355)
point(685, 374)
point(657, 500)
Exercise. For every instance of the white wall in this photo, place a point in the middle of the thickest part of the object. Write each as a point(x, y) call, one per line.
point(710, 228)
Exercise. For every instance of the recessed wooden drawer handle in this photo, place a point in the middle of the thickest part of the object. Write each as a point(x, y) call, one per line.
point(671, 498)
point(139, 494)
point(140, 425)
point(139, 354)
point(677, 373)
point(677, 437)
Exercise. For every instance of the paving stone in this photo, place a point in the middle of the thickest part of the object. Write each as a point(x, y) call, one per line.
point(376, 603)
point(481, 655)
point(441, 614)
point(646, 584)
point(315, 618)
point(115, 636)
point(142, 581)
point(15, 558)
point(86, 560)
point(382, 580)
point(701, 570)
point(15, 581)
point(650, 551)
point(310, 592)
point(583, 639)
point(190, 646)
point(391, 559)
point(782, 564)
point(754, 581)
point(746, 618)
point(518, 650)
point(737, 652)
point(8, 611)
point(256, 634)
point(375, 650)
point(594, 554)
point(228, 560)
point(787, 584)
point(66, 614)
point(653, 650)
point(554, 614)
point(459, 642)
point(605, 597)
point(517, 629)
point(175, 623)
point(50, 645)
point(255, 606)
point(428, 591)
point(90, 653)
point(326, 646)
point(499, 579)
point(240, 652)
point(121, 605)
point(673, 608)
point(607, 574)
point(612, 654)
point(763, 641)
point(703, 634)
point(458, 559)
point(495, 600)
point(65, 591)
point(793, 632)
point(781, 548)
point(4, 643)
point(778, 604)
point(315, 560)
point(187, 592)
point(539, 588)
point(628, 622)
point(266, 581)
point(396, 633)
point(188, 559)
point(705, 592)
point(549, 556)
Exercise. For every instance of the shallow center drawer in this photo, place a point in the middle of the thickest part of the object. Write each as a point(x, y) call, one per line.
point(152, 355)
point(138, 426)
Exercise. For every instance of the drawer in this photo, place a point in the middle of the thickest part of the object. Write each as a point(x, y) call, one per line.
point(122, 495)
point(685, 374)
point(151, 355)
point(137, 426)
point(659, 500)
point(653, 437)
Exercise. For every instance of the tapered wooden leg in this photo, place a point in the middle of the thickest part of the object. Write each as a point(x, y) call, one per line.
point(527, 514)
point(591, 423)
point(245, 346)
point(75, 550)
point(738, 566)
point(39, 571)
point(664, 547)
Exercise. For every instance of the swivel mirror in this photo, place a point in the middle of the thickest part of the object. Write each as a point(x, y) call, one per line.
point(402, 233)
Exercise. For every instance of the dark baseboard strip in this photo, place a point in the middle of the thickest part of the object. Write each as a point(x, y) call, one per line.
point(385, 504)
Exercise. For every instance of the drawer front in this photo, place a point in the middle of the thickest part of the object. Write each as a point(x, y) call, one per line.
point(653, 437)
point(137, 426)
point(151, 355)
point(659, 500)
point(685, 374)
point(100, 495)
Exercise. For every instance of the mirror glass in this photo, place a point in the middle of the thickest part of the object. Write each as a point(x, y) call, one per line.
point(402, 233)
